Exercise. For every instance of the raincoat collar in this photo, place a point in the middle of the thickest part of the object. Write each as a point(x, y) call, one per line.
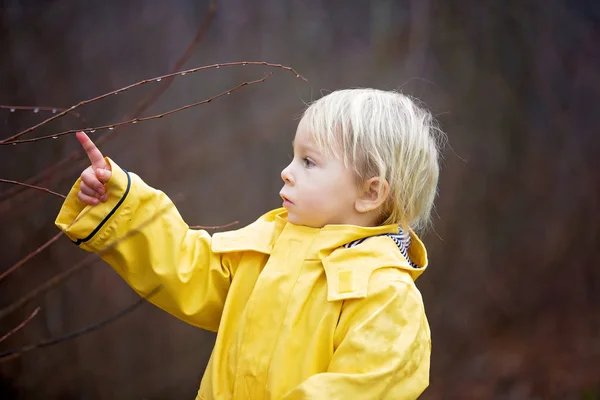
point(262, 235)
point(327, 239)
point(348, 269)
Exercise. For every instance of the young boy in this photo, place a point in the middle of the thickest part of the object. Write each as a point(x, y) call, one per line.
point(315, 300)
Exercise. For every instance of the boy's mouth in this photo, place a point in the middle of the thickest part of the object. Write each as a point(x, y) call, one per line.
point(286, 202)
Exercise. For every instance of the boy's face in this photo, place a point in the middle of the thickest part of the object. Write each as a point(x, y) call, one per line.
point(318, 189)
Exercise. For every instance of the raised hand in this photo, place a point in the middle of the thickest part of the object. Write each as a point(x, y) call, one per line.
point(93, 178)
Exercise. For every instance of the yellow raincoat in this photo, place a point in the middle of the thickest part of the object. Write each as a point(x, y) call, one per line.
point(298, 316)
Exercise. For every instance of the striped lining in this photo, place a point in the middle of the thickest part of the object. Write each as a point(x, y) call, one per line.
point(402, 240)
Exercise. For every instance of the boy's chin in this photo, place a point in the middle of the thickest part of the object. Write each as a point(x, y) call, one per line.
point(297, 220)
point(294, 219)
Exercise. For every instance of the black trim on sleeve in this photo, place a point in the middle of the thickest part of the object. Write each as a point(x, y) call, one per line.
point(91, 235)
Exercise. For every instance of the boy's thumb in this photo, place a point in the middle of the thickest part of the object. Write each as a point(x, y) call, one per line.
point(103, 175)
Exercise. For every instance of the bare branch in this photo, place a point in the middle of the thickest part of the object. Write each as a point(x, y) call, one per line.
point(21, 325)
point(30, 256)
point(37, 251)
point(79, 154)
point(156, 79)
point(215, 226)
point(10, 354)
point(49, 284)
point(136, 120)
point(143, 106)
point(36, 109)
point(62, 196)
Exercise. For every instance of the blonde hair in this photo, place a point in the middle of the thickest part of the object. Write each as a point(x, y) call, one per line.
point(383, 134)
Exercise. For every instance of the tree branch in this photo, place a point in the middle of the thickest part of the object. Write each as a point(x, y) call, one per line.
point(77, 155)
point(36, 109)
point(136, 120)
point(10, 354)
point(214, 226)
point(13, 138)
point(49, 284)
point(212, 11)
point(62, 196)
point(30, 256)
point(21, 325)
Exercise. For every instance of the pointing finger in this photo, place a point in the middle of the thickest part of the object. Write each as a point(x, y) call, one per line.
point(92, 151)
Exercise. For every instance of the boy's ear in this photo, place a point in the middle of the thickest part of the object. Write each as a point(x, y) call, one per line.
point(372, 195)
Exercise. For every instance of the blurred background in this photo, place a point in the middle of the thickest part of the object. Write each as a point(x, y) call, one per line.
point(513, 288)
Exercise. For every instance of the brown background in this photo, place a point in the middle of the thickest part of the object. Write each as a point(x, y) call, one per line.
point(513, 288)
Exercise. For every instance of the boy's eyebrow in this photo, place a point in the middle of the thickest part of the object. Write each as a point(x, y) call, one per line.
point(305, 147)
point(301, 145)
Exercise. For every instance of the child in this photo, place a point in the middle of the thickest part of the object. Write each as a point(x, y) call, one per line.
point(314, 300)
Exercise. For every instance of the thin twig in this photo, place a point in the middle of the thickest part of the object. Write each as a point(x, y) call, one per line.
point(30, 256)
point(43, 288)
point(156, 79)
point(215, 226)
point(62, 196)
point(37, 251)
point(10, 354)
point(210, 16)
point(60, 277)
point(22, 324)
point(54, 110)
point(136, 120)
point(79, 154)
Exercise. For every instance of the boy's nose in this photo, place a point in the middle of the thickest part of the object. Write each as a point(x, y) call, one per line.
point(287, 176)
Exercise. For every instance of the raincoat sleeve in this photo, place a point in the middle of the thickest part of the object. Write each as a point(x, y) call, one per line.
point(140, 233)
point(382, 349)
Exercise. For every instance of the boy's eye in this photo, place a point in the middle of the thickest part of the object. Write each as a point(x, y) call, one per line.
point(308, 163)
